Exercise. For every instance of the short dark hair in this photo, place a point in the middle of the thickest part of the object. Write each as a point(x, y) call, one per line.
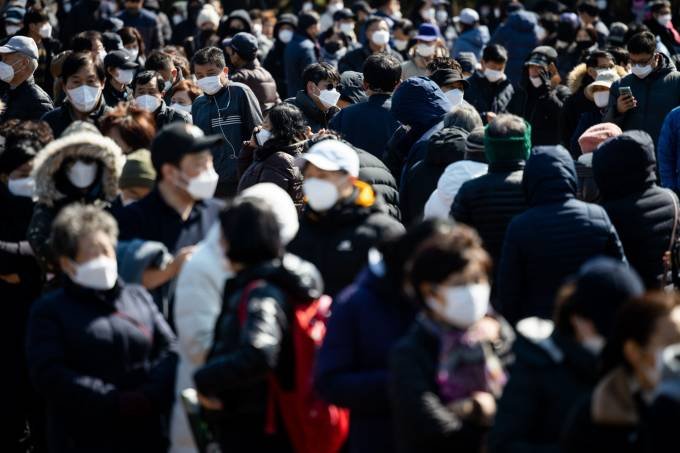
point(654, 6)
point(85, 41)
point(642, 43)
point(382, 72)
point(77, 221)
point(404, 25)
point(444, 63)
point(288, 122)
point(75, 61)
point(251, 231)
point(131, 34)
point(317, 72)
point(589, 7)
point(595, 55)
point(144, 77)
point(209, 55)
point(35, 16)
point(159, 61)
point(495, 53)
point(620, 55)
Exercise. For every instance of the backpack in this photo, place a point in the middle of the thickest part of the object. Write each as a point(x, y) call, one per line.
point(313, 425)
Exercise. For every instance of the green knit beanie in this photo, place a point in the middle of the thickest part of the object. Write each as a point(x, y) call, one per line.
point(508, 149)
point(138, 171)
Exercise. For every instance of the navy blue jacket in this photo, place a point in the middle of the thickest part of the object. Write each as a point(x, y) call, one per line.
point(552, 239)
point(300, 52)
point(147, 25)
point(518, 35)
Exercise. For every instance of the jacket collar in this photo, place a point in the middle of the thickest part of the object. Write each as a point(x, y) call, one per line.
point(506, 166)
point(87, 295)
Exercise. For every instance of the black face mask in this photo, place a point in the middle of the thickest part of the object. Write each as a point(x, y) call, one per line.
point(332, 47)
point(583, 45)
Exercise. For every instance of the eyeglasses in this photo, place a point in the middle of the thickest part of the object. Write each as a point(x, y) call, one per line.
point(642, 63)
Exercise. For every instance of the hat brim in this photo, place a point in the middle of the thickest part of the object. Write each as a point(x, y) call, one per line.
point(129, 65)
point(542, 63)
point(203, 143)
point(7, 49)
point(601, 83)
point(318, 161)
point(426, 38)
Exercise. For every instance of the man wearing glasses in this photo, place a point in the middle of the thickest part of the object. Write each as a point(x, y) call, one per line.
point(319, 97)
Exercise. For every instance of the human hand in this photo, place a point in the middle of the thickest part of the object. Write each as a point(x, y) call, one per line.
point(209, 403)
point(625, 102)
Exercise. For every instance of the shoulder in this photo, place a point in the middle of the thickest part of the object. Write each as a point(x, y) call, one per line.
point(307, 44)
point(48, 303)
point(384, 224)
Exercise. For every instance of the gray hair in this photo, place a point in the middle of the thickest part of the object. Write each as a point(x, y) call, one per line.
point(465, 117)
point(78, 221)
point(33, 64)
point(506, 125)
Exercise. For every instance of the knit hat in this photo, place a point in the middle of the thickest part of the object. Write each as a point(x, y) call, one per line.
point(507, 149)
point(208, 14)
point(597, 134)
point(18, 151)
point(475, 145)
point(138, 171)
point(352, 87)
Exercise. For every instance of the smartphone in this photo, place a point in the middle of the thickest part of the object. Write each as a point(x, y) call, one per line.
point(625, 91)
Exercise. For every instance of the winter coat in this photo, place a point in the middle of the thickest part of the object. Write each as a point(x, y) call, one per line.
point(541, 107)
point(656, 95)
point(273, 162)
point(26, 102)
point(642, 212)
point(260, 82)
point(585, 122)
point(375, 173)
point(552, 239)
point(233, 112)
point(62, 117)
point(147, 25)
point(587, 189)
point(337, 241)
point(438, 206)
point(550, 375)
point(103, 362)
point(354, 59)
point(669, 151)
point(242, 356)
point(136, 256)
point(300, 52)
point(113, 97)
point(576, 104)
point(368, 318)
point(166, 115)
point(274, 63)
point(486, 96)
point(445, 147)
point(473, 40)
point(367, 125)
point(316, 118)
point(519, 35)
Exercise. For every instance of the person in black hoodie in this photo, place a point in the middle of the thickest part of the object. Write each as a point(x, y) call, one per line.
point(233, 384)
point(489, 90)
point(319, 97)
point(644, 214)
point(273, 62)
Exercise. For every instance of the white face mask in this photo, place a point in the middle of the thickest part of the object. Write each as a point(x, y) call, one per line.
point(427, 14)
point(493, 76)
point(82, 174)
point(465, 305)
point(6, 72)
point(101, 55)
point(23, 187)
point(601, 98)
point(177, 19)
point(84, 98)
point(257, 29)
point(45, 30)
point(133, 53)
point(454, 96)
point(380, 37)
point(536, 81)
point(12, 29)
point(166, 86)
point(181, 107)
point(262, 136)
point(664, 20)
point(594, 344)
point(203, 186)
point(441, 16)
point(285, 36)
point(210, 85)
point(424, 50)
point(321, 195)
point(148, 102)
point(329, 97)
point(641, 71)
point(347, 28)
point(100, 273)
point(400, 44)
point(125, 76)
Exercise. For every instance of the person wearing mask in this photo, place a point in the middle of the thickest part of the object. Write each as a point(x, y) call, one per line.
point(589, 15)
point(423, 12)
point(376, 41)
point(120, 71)
point(133, 44)
point(519, 35)
point(274, 61)
point(98, 350)
point(130, 126)
point(185, 26)
point(14, 19)
point(402, 33)
point(148, 91)
point(301, 51)
point(227, 108)
point(644, 215)
point(208, 22)
point(319, 97)
point(583, 44)
point(473, 37)
point(556, 362)
point(428, 45)
point(37, 27)
point(183, 94)
point(162, 63)
point(242, 53)
point(137, 178)
point(551, 239)
point(90, 41)
point(617, 414)
point(270, 154)
point(489, 90)
point(326, 20)
point(661, 25)
point(143, 20)
point(448, 370)
point(388, 9)
point(343, 25)
point(83, 78)
point(452, 82)
point(370, 125)
point(342, 217)
point(588, 142)
point(23, 99)
point(655, 88)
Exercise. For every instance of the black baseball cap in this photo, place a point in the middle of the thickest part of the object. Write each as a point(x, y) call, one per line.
point(176, 140)
point(244, 44)
point(119, 59)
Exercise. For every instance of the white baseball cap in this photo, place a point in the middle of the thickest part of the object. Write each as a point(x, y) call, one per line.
point(331, 155)
point(468, 16)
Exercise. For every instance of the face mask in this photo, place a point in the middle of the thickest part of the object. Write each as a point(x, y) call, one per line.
point(427, 14)
point(465, 305)
point(380, 37)
point(664, 20)
point(45, 30)
point(181, 107)
point(400, 44)
point(166, 86)
point(641, 71)
point(124, 76)
point(335, 7)
point(285, 36)
point(23, 187)
point(257, 29)
point(12, 29)
point(493, 75)
point(203, 186)
point(347, 28)
point(329, 97)
point(425, 50)
point(100, 273)
point(262, 136)
point(101, 55)
point(210, 85)
point(6, 72)
point(84, 98)
point(594, 344)
point(397, 15)
point(133, 53)
point(177, 19)
point(601, 98)
point(148, 102)
point(541, 33)
point(441, 16)
point(536, 81)
point(82, 174)
point(454, 96)
point(321, 195)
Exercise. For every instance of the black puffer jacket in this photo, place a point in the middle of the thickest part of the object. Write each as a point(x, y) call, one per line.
point(62, 117)
point(489, 97)
point(373, 171)
point(552, 239)
point(26, 102)
point(166, 115)
point(316, 118)
point(260, 82)
point(354, 59)
point(542, 108)
point(642, 212)
point(446, 147)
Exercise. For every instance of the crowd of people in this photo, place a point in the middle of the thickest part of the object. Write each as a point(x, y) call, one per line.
point(326, 226)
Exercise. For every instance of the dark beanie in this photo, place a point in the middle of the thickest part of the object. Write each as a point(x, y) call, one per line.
point(18, 151)
point(307, 19)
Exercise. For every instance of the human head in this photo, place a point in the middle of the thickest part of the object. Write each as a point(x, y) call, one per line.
point(285, 27)
point(164, 64)
point(507, 138)
point(474, 146)
point(37, 24)
point(14, 19)
point(83, 79)
point(22, 140)
point(318, 77)
point(643, 56)
point(426, 41)
point(89, 41)
point(588, 11)
point(281, 205)
point(132, 42)
point(209, 62)
point(382, 73)
point(208, 19)
point(286, 123)
point(494, 57)
point(377, 25)
point(597, 134)
point(184, 93)
point(138, 176)
point(402, 31)
point(308, 24)
point(621, 57)
point(540, 60)
point(660, 9)
point(598, 61)
point(468, 18)
point(242, 49)
point(351, 88)
point(419, 102)
point(343, 22)
point(147, 88)
point(598, 90)
point(450, 80)
point(130, 126)
point(21, 54)
point(120, 67)
point(134, 6)
point(465, 117)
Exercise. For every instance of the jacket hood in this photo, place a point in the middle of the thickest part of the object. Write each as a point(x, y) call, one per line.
point(447, 146)
point(477, 36)
point(522, 21)
point(418, 101)
point(244, 16)
point(625, 164)
point(78, 145)
point(549, 176)
point(578, 78)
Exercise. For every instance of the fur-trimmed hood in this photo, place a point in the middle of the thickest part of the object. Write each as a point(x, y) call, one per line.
point(576, 76)
point(80, 144)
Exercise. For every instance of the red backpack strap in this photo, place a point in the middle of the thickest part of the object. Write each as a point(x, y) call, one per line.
point(243, 302)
